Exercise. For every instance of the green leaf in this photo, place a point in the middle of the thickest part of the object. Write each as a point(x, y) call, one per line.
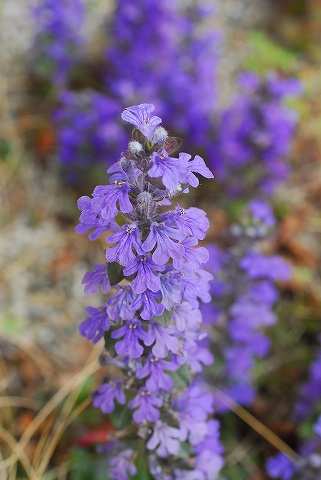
point(110, 342)
point(138, 136)
point(165, 318)
point(185, 450)
point(115, 273)
point(121, 416)
point(142, 466)
point(181, 378)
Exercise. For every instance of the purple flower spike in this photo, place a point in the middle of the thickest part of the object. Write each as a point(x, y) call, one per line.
point(97, 278)
point(165, 439)
point(139, 115)
point(148, 406)
point(105, 395)
point(132, 332)
point(145, 279)
point(196, 286)
point(154, 300)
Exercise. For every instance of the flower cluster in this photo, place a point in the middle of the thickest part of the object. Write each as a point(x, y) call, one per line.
point(255, 134)
point(243, 293)
point(151, 320)
point(161, 31)
point(58, 38)
point(251, 137)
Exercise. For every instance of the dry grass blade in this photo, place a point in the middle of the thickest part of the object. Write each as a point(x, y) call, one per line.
point(18, 452)
point(23, 402)
point(44, 438)
point(12, 443)
point(48, 452)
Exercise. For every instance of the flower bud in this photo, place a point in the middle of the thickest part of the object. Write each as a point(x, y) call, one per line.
point(160, 135)
point(135, 147)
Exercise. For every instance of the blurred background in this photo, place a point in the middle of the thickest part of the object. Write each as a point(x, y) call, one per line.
point(239, 82)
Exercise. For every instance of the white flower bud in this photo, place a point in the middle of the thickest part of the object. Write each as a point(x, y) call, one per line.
point(135, 147)
point(160, 135)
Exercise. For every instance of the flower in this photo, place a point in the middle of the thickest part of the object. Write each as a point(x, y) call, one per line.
point(105, 395)
point(149, 304)
point(209, 464)
point(96, 324)
point(197, 165)
point(127, 239)
point(97, 278)
point(106, 198)
point(154, 368)
point(145, 278)
point(59, 37)
point(140, 116)
point(191, 221)
point(132, 332)
point(162, 236)
point(171, 171)
point(119, 305)
point(165, 439)
point(122, 465)
point(148, 406)
point(162, 341)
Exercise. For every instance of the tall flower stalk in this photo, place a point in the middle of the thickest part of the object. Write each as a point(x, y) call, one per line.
point(151, 321)
point(244, 294)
